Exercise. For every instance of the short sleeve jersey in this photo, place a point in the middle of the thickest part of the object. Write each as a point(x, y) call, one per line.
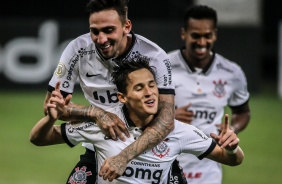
point(81, 61)
point(153, 166)
point(220, 84)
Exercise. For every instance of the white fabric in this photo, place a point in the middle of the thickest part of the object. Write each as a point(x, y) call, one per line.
point(153, 165)
point(81, 61)
point(209, 91)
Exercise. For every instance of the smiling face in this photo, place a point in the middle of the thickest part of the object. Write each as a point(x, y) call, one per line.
point(141, 96)
point(199, 38)
point(109, 33)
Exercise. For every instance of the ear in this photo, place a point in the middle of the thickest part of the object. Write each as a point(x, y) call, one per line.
point(183, 34)
point(121, 97)
point(127, 26)
point(215, 34)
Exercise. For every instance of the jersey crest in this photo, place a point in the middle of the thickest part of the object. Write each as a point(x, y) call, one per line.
point(80, 176)
point(219, 90)
point(161, 149)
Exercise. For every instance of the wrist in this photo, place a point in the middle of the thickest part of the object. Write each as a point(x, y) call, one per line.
point(232, 152)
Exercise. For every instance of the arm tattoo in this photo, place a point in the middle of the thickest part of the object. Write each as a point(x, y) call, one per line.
point(83, 113)
point(157, 130)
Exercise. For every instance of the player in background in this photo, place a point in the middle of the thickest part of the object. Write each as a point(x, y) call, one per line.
point(205, 83)
point(90, 58)
point(138, 91)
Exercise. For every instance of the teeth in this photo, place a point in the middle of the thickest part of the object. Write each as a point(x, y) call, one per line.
point(150, 101)
point(203, 49)
point(105, 47)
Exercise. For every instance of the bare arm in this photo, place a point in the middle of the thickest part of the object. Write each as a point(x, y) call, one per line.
point(220, 155)
point(45, 133)
point(240, 118)
point(227, 151)
point(162, 125)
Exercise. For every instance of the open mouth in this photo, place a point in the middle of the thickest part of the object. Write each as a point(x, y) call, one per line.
point(150, 102)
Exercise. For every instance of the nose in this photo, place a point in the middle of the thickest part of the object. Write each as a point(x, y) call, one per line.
point(201, 41)
point(148, 91)
point(101, 38)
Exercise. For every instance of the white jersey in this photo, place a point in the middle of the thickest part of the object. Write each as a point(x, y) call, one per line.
point(222, 83)
point(82, 61)
point(152, 166)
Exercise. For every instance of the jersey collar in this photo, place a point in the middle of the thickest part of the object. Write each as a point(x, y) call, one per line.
point(129, 122)
point(192, 68)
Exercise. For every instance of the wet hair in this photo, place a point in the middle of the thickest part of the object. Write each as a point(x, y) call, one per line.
point(121, 6)
point(124, 67)
point(199, 12)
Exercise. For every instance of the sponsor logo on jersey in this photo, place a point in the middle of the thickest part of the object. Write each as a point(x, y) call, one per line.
point(201, 134)
point(80, 126)
point(167, 79)
point(60, 70)
point(192, 175)
point(204, 114)
point(80, 176)
point(81, 53)
point(146, 174)
point(219, 90)
point(106, 98)
point(161, 149)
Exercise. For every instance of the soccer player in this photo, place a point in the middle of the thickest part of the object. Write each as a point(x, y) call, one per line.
point(90, 57)
point(138, 91)
point(205, 82)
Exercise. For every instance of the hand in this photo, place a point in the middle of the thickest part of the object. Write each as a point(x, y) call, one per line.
point(183, 114)
point(227, 138)
point(113, 168)
point(56, 105)
point(112, 126)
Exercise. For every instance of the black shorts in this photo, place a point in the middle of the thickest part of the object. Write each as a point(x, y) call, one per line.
point(177, 175)
point(85, 170)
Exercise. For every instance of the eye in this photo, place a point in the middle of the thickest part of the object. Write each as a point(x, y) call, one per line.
point(152, 84)
point(138, 88)
point(94, 31)
point(208, 36)
point(195, 36)
point(109, 30)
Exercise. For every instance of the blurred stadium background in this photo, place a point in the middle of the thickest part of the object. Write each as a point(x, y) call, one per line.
point(34, 33)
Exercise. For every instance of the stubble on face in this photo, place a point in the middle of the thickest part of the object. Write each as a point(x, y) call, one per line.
point(107, 32)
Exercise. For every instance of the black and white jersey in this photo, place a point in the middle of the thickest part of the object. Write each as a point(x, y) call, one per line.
point(220, 84)
point(82, 61)
point(152, 166)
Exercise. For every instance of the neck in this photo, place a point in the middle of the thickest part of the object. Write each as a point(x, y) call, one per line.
point(140, 120)
point(199, 63)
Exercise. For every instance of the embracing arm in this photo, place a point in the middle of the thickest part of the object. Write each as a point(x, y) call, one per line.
point(157, 130)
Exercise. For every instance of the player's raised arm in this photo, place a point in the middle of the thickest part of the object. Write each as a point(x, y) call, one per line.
point(45, 132)
point(227, 151)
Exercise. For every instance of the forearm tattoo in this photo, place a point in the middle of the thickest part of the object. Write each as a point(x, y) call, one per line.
point(157, 130)
point(84, 113)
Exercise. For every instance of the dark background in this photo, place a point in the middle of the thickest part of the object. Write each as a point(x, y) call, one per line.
point(254, 48)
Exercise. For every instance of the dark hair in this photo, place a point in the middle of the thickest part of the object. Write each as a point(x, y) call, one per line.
point(121, 6)
point(199, 12)
point(124, 67)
